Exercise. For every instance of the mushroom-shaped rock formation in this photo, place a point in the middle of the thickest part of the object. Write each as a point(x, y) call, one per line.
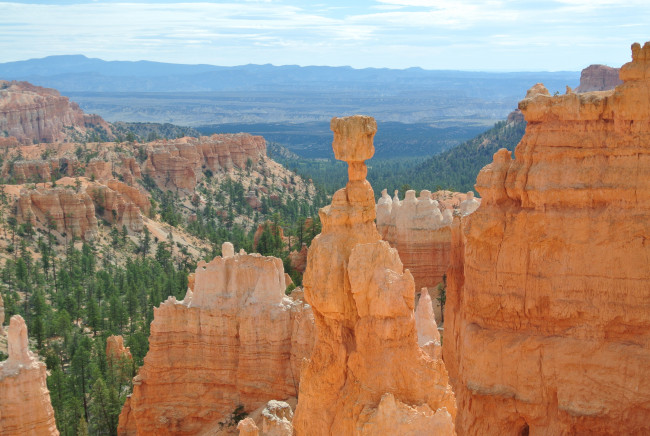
point(363, 308)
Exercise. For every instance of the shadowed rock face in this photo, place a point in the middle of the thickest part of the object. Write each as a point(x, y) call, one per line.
point(598, 78)
point(367, 374)
point(547, 323)
point(32, 113)
point(25, 407)
point(235, 339)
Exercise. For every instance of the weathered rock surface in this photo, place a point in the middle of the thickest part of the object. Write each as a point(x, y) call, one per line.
point(547, 322)
point(180, 163)
point(117, 201)
point(247, 427)
point(425, 324)
point(75, 211)
point(598, 78)
point(276, 419)
point(115, 349)
point(32, 113)
point(235, 339)
point(298, 259)
point(131, 194)
point(69, 211)
point(39, 170)
point(419, 229)
point(25, 407)
point(363, 305)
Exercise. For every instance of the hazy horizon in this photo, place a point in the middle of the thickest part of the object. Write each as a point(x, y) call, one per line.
point(466, 35)
point(296, 65)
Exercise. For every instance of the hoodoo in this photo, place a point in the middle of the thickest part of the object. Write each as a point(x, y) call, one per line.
point(367, 374)
point(547, 323)
point(25, 407)
point(235, 340)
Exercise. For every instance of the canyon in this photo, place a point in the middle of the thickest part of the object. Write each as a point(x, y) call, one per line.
point(547, 316)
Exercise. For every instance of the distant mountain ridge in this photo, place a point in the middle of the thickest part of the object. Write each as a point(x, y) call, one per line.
point(81, 74)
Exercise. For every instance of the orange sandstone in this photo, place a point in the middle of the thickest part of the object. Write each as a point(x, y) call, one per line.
point(235, 339)
point(180, 163)
point(547, 323)
point(366, 374)
point(25, 407)
point(32, 113)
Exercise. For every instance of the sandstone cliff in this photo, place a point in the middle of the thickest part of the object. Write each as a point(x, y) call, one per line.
point(68, 211)
point(367, 374)
point(235, 339)
point(35, 114)
point(25, 407)
point(598, 78)
point(180, 163)
point(75, 212)
point(547, 323)
point(120, 204)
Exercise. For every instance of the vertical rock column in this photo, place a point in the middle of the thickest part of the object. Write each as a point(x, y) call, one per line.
point(367, 374)
point(25, 407)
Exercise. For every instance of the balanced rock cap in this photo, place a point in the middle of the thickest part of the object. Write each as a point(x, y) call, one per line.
point(353, 137)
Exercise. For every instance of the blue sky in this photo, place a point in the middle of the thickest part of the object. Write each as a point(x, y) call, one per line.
point(493, 35)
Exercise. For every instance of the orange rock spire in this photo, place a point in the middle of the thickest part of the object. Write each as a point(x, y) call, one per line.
point(547, 323)
point(25, 407)
point(367, 374)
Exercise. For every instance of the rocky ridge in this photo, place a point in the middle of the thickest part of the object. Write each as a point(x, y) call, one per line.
point(34, 114)
point(548, 309)
point(366, 374)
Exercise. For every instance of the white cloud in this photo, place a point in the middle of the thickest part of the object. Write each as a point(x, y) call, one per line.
point(464, 34)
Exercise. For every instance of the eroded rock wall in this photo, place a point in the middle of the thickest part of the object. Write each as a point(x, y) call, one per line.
point(25, 406)
point(367, 374)
point(35, 114)
point(180, 163)
point(547, 323)
point(235, 339)
point(419, 229)
point(68, 211)
point(598, 78)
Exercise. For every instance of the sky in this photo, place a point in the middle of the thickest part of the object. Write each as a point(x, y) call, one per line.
point(493, 35)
